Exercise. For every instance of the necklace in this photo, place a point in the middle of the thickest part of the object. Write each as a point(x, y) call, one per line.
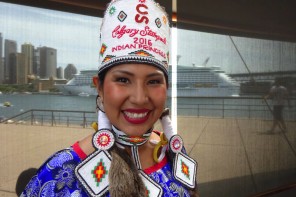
point(124, 139)
point(93, 172)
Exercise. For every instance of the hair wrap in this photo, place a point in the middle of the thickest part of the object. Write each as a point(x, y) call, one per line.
point(103, 121)
point(166, 124)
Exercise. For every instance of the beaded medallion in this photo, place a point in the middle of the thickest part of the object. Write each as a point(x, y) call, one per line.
point(93, 172)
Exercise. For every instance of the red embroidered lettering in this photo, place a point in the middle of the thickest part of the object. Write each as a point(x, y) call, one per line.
point(119, 32)
point(123, 47)
point(143, 6)
point(155, 50)
point(139, 18)
point(149, 32)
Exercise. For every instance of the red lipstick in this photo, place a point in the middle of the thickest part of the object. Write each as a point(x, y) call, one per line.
point(136, 116)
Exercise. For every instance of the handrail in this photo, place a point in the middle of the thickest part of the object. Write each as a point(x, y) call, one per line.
point(275, 190)
point(216, 109)
point(5, 120)
point(50, 116)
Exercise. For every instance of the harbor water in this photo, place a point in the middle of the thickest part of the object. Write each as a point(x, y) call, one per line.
point(242, 107)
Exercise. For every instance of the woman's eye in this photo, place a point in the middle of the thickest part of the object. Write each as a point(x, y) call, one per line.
point(154, 81)
point(122, 80)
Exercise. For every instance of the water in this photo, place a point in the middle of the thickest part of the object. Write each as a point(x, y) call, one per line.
point(23, 102)
point(210, 107)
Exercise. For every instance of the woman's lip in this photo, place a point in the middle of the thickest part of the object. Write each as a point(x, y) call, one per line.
point(136, 116)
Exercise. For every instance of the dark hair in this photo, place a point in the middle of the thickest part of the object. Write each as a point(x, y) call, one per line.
point(23, 179)
point(102, 76)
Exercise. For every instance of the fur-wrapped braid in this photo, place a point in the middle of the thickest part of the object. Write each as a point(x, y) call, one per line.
point(194, 192)
point(123, 176)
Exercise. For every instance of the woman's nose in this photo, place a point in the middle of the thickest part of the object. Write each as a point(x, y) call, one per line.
point(139, 95)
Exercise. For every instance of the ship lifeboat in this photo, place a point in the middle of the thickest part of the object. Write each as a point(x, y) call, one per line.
point(83, 94)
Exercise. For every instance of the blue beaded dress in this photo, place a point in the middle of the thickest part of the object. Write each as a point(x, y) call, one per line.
point(56, 177)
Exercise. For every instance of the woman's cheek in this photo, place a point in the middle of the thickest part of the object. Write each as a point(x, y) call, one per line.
point(160, 94)
point(114, 92)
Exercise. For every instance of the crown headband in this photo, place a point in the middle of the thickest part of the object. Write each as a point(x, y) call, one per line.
point(134, 31)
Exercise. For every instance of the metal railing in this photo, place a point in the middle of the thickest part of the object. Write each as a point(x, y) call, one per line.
point(204, 107)
point(54, 118)
point(239, 107)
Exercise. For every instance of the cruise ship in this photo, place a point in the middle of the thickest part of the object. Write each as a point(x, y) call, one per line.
point(198, 81)
point(80, 84)
point(204, 81)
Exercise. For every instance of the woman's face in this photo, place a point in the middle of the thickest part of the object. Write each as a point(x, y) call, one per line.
point(134, 97)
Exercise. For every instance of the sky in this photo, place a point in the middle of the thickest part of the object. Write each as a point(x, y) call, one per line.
point(76, 38)
point(258, 54)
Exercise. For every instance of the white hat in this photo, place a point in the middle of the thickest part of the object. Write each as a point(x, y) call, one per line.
point(135, 31)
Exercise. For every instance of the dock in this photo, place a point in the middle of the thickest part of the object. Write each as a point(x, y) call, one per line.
point(236, 157)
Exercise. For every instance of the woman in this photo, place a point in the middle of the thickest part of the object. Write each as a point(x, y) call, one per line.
point(125, 157)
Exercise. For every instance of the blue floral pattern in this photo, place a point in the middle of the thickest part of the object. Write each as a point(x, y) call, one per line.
point(56, 178)
point(59, 159)
point(33, 187)
point(171, 188)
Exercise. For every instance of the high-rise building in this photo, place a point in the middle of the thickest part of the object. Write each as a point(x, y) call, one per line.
point(70, 71)
point(28, 51)
point(10, 47)
point(36, 61)
point(18, 68)
point(2, 79)
point(1, 61)
point(60, 73)
point(48, 62)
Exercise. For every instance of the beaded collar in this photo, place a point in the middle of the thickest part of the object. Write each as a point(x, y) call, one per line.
point(123, 139)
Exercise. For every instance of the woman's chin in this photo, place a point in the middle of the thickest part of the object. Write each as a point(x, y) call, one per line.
point(135, 131)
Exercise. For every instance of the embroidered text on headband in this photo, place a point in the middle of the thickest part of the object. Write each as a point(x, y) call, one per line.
point(134, 31)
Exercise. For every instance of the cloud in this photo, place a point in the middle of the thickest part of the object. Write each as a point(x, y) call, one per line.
point(74, 36)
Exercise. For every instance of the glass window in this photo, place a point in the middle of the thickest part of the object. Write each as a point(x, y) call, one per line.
point(221, 112)
point(223, 117)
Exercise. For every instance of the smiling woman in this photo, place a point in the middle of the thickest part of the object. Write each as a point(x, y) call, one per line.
point(126, 156)
point(223, 128)
point(134, 97)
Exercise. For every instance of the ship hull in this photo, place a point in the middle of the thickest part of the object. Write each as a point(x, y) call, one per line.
point(76, 90)
point(191, 82)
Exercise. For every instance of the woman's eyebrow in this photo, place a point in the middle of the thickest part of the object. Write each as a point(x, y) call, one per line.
point(123, 72)
point(154, 74)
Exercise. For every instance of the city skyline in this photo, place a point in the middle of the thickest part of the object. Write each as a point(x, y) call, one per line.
point(76, 38)
point(71, 34)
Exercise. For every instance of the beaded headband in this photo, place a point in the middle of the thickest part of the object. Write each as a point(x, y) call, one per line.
point(134, 31)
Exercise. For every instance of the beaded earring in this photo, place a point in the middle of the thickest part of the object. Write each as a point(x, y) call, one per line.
point(184, 167)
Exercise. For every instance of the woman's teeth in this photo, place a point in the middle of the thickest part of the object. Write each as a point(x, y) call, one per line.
point(135, 115)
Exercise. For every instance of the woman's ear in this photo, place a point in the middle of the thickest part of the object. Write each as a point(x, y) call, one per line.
point(96, 83)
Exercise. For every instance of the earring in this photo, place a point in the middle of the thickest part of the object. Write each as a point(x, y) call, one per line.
point(99, 103)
